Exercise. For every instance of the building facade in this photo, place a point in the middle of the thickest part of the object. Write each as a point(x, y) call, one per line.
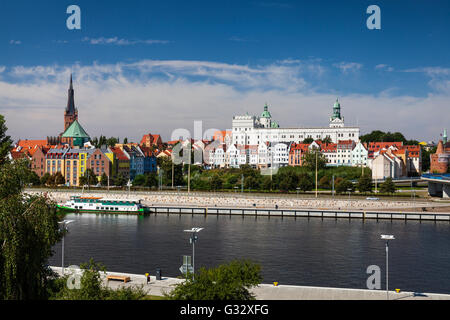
point(252, 130)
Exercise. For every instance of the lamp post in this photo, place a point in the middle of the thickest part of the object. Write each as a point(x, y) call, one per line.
point(387, 237)
point(192, 240)
point(63, 228)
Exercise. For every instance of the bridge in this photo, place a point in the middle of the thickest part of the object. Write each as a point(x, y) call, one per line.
point(438, 184)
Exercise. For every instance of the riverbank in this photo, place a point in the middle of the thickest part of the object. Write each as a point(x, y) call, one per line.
point(270, 291)
point(256, 201)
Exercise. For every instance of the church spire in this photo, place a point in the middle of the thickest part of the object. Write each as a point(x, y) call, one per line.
point(70, 101)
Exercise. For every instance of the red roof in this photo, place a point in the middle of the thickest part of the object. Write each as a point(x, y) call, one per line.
point(120, 155)
point(299, 146)
point(31, 143)
point(376, 146)
point(329, 147)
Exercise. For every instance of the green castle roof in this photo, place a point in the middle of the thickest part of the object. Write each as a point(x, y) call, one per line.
point(266, 113)
point(75, 130)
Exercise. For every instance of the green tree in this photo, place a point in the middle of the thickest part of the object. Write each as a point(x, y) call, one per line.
point(104, 179)
point(305, 183)
point(28, 231)
point(309, 160)
point(308, 140)
point(58, 179)
point(365, 183)
point(34, 179)
point(230, 281)
point(325, 182)
point(151, 180)
point(5, 141)
point(139, 180)
point(45, 179)
point(388, 186)
point(216, 182)
point(327, 140)
point(89, 177)
point(344, 186)
point(120, 180)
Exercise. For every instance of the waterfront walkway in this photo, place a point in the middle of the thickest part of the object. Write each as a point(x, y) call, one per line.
point(251, 200)
point(272, 292)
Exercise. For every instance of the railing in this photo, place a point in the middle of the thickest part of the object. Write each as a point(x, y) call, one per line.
point(302, 213)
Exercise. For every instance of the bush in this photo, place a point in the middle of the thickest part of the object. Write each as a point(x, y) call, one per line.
point(230, 281)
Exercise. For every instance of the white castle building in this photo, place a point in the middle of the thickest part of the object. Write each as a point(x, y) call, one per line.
point(253, 130)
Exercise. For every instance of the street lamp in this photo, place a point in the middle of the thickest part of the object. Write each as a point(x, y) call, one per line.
point(387, 237)
point(192, 240)
point(63, 228)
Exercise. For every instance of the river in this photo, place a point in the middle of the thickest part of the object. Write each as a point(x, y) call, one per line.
point(294, 251)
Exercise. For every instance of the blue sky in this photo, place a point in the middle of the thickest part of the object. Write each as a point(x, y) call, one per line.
point(234, 55)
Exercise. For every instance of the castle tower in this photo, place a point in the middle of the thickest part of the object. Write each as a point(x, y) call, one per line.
point(266, 117)
point(444, 137)
point(70, 113)
point(336, 120)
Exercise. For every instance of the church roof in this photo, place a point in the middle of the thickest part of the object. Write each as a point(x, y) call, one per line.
point(75, 130)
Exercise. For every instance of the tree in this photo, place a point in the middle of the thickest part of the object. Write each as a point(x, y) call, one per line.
point(89, 177)
point(34, 179)
point(139, 180)
point(308, 140)
point(125, 140)
point(151, 180)
point(230, 281)
point(365, 183)
point(324, 182)
point(104, 179)
point(305, 183)
point(59, 178)
point(309, 160)
point(388, 186)
point(344, 186)
point(120, 180)
point(28, 231)
point(45, 179)
point(216, 182)
point(5, 141)
point(327, 140)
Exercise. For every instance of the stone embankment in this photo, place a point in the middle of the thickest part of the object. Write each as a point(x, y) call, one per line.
point(243, 201)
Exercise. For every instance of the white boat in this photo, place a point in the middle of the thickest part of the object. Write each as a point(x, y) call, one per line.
point(104, 205)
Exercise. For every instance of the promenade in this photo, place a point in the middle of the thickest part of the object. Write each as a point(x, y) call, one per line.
point(272, 292)
point(250, 200)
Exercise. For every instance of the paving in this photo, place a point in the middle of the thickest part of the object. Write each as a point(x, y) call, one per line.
point(270, 291)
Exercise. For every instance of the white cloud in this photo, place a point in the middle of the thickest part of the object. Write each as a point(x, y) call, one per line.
point(384, 67)
point(130, 99)
point(347, 67)
point(17, 42)
point(121, 42)
point(2, 69)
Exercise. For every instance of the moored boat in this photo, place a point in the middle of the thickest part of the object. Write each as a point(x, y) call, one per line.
point(104, 205)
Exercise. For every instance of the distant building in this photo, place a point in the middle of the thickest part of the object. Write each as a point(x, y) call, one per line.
point(441, 159)
point(252, 130)
point(387, 165)
point(360, 155)
point(152, 141)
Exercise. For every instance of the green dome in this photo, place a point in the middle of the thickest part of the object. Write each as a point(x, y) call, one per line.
point(266, 113)
point(274, 125)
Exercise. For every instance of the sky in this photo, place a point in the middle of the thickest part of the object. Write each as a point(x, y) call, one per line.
point(155, 66)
